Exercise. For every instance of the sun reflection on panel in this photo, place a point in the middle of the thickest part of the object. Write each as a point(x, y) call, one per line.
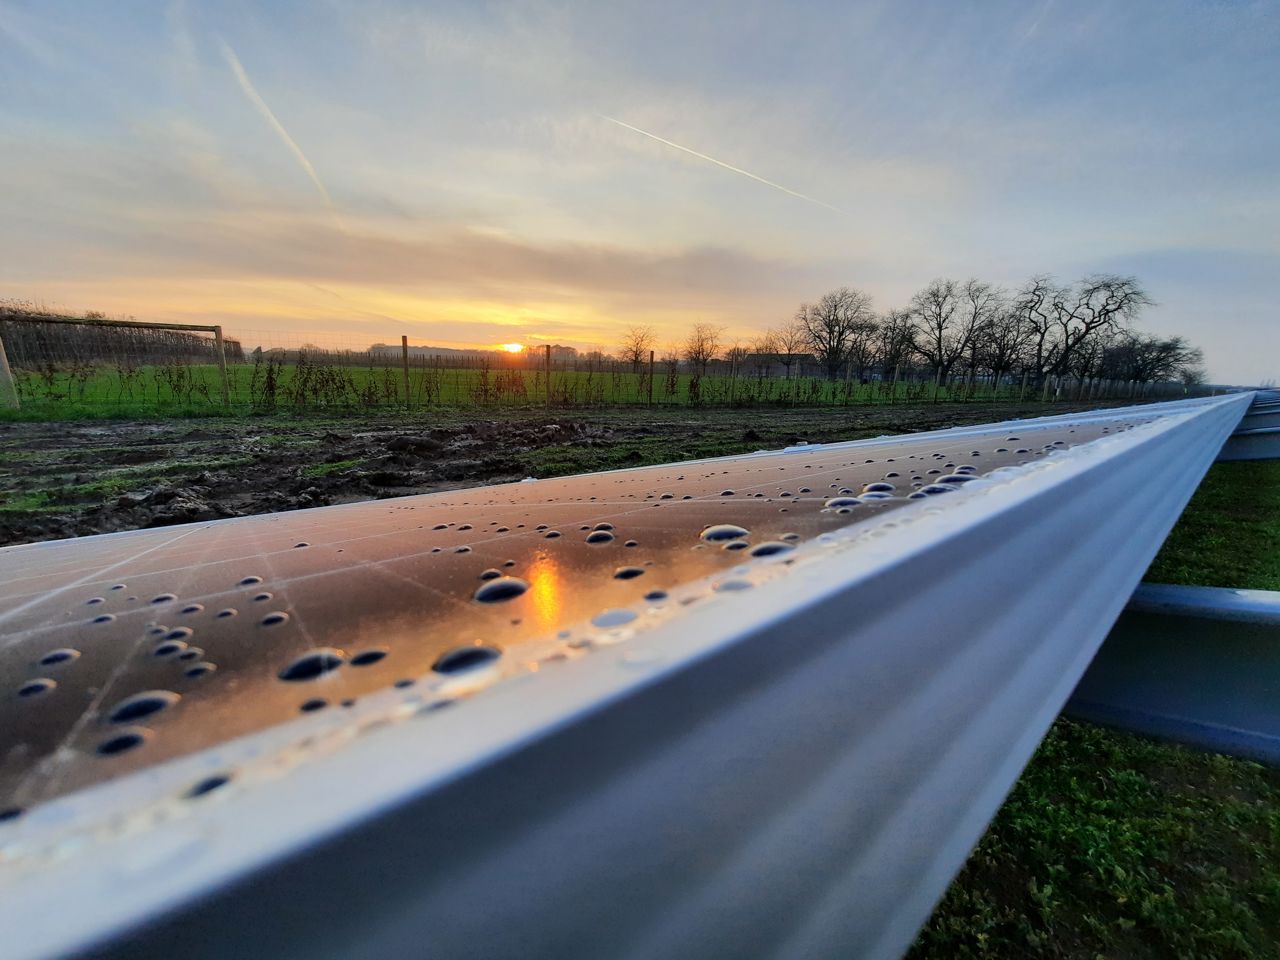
point(546, 592)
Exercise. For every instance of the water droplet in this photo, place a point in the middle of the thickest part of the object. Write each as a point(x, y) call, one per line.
point(600, 536)
point(228, 612)
point(771, 547)
point(208, 785)
point(631, 543)
point(313, 664)
point(723, 531)
point(164, 598)
point(732, 585)
point(628, 573)
point(192, 608)
point(502, 588)
point(490, 574)
point(94, 600)
point(122, 742)
point(274, 619)
point(842, 502)
point(250, 581)
point(613, 618)
point(551, 534)
point(299, 545)
point(879, 487)
point(876, 495)
point(936, 488)
point(61, 655)
point(262, 597)
point(462, 659)
point(366, 657)
point(169, 648)
point(10, 813)
point(104, 618)
point(656, 595)
point(200, 669)
point(191, 653)
point(314, 704)
point(956, 479)
point(142, 705)
point(726, 493)
point(34, 688)
point(603, 525)
point(179, 633)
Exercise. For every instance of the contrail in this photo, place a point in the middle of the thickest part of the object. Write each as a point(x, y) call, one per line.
point(256, 99)
point(719, 163)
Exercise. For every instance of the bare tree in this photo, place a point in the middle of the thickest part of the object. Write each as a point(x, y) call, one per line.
point(670, 359)
point(636, 345)
point(1031, 307)
point(1005, 341)
point(791, 340)
point(1098, 302)
point(764, 353)
point(701, 346)
point(980, 305)
point(895, 342)
point(933, 310)
point(834, 323)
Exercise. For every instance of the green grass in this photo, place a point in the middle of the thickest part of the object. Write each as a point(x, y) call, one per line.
point(1111, 845)
point(1229, 535)
point(186, 390)
point(324, 469)
point(30, 501)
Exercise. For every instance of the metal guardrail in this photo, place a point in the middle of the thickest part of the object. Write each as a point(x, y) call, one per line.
point(1197, 665)
point(786, 756)
point(1258, 435)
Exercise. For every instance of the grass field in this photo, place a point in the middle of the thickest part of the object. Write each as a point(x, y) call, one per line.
point(1112, 845)
point(195, 389)
point(1229, 535)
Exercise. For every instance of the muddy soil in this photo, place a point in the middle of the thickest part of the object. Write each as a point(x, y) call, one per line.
point(70, 479)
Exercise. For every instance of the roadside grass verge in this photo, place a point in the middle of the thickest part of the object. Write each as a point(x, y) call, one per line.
point(1229, 535)
point(1112, 845)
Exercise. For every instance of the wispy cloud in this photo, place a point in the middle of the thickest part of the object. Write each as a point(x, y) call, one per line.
point(719, 163)
point(1035, 25)
point(256, 99)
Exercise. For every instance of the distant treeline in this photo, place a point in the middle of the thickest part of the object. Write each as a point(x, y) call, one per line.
point(34, 343)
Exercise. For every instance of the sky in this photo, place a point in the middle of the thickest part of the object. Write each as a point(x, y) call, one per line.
point(479, 173)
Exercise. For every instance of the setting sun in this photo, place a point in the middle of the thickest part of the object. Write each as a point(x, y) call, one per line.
point(513, 347)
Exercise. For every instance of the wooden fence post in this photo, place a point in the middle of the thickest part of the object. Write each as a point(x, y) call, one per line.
point(651, 378)
point(219, 346)
point(8, 388)
point(546, 362)
point(404, 365)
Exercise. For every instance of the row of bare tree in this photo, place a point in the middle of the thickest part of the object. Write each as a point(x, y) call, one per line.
point(970, 330)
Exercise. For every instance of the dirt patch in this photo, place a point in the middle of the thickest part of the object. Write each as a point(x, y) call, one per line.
point(72, 479)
